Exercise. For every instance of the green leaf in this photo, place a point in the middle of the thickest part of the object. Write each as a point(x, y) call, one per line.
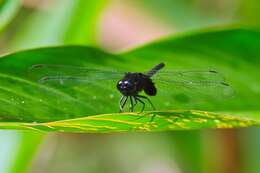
point(23, 99)
point(152, 121)
point(8, 9)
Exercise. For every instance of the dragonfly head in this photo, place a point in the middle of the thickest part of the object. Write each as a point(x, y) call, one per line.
point(126, 87)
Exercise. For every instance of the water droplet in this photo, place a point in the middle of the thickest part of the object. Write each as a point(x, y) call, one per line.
point(94, 97)
point(111, 96)
point(61, 81)
point(167, 103)
point(23, 102)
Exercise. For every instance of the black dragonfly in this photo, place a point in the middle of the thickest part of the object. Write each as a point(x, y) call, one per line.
point(132, 84)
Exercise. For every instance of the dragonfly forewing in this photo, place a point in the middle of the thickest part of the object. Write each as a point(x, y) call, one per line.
point(61, 74)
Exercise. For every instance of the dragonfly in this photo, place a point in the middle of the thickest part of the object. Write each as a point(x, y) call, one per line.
point(131, 85)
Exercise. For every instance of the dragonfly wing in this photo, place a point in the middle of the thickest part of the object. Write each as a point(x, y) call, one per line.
point(61, 74)
point(190, 76)
point(77, 90)
point(201, 83)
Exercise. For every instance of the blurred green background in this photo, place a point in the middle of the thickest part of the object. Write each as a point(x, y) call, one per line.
point(115, 26)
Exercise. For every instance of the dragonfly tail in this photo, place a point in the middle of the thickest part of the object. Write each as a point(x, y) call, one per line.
point(155, 69)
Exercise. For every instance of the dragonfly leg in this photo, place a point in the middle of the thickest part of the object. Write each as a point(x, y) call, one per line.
point(124, 102)
point(121, 105)
point(136, 97)
point(135, 101)
point(131, 108)
point(147, 100)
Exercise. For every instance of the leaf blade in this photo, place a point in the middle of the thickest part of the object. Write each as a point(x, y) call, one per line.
point(19, 92)
point(118, 122)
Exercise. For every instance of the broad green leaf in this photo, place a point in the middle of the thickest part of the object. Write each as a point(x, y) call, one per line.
point(25, 100)
point(8, 9)
point(125, 122)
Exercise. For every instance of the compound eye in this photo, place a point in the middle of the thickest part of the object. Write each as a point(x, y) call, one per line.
point(126, 83)
point(120, 83)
